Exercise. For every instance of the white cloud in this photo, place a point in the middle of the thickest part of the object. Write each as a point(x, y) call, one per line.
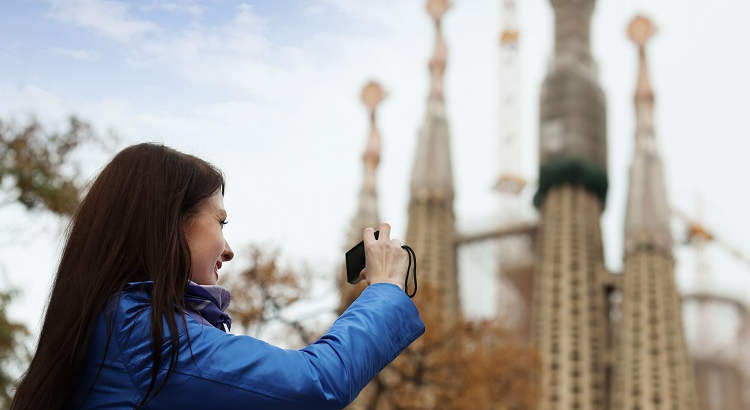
point(21, 102)
point(235, 54)
point(189, 7)
point(392, 14)
point(314, 9)
point(107, 17)
point(75, 54)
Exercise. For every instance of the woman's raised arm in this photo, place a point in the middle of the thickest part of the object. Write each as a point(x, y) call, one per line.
point(227, 371)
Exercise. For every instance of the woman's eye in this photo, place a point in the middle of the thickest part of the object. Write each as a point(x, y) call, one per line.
point(224, 222)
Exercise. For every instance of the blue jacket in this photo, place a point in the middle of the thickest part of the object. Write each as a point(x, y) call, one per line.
point(226, 371)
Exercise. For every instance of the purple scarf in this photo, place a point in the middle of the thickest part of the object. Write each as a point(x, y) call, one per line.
point(208, 304)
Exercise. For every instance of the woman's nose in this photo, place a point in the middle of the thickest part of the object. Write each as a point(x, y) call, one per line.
point(228, 254)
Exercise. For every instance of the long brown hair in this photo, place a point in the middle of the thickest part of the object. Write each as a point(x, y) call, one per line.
point(129, 227)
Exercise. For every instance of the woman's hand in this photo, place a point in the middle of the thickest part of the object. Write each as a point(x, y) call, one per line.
point(385, 261)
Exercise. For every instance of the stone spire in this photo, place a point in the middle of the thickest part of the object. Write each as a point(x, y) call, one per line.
point(432, 175)
point(654, 370)
point(367, 210)
point(569, 312)
point(431, 229)
point(647, 218)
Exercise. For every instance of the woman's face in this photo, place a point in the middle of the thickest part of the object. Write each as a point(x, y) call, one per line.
point(208, 248)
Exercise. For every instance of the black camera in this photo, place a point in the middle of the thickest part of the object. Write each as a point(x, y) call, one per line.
point(355, 261)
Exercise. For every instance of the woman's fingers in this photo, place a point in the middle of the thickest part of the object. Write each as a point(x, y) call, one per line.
point(385, 232)
point(386, 261)
point(368, 235)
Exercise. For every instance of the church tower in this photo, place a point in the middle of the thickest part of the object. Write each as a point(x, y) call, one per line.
point(654, 369)
point(431, 227)
point(569, 310)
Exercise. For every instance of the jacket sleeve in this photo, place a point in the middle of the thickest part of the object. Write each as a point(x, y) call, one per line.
point(220, 370)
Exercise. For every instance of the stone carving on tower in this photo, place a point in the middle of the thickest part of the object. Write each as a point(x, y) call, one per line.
point(431, 227)
point(570, 316)
point(654, 370)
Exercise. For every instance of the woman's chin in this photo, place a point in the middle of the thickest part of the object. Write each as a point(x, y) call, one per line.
point(210, 279)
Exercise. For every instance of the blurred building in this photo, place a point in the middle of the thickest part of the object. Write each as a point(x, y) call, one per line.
point(606, 341)
point(569, 313)
point(432, 221)
point(653, 368)
point(719, 335)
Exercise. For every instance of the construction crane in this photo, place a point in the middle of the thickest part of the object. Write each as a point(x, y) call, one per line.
point(514, 237)
point(511, 180)
point(698, 235)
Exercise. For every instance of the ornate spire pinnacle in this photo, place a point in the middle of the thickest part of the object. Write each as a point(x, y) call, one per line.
point(647, 217)
point(367, 211)
point(372, 95)
point(640, 30)
point(436, 9)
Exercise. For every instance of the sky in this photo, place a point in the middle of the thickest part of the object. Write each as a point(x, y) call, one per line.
point(269, 92)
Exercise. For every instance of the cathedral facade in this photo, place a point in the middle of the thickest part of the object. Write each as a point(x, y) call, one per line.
point(594, 354)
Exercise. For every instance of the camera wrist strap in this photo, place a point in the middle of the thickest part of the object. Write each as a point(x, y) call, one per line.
point(410, 251)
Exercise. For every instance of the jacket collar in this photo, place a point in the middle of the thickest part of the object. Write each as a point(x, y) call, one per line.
point(208, 301)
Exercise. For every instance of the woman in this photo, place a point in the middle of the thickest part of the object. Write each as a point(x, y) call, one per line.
point(145, 242)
